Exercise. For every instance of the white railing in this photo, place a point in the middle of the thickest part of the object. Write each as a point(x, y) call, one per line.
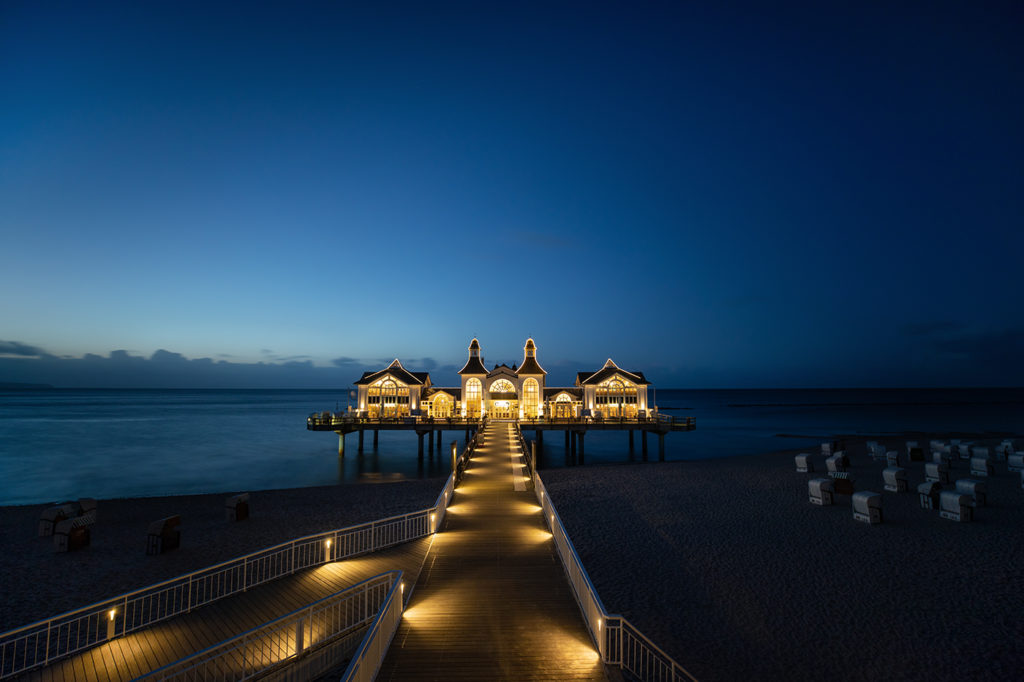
point(46, 641)
point(618, 642)
point(328, 622)
point(367, 660)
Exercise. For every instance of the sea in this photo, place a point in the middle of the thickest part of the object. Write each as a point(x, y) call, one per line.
point(61, 444)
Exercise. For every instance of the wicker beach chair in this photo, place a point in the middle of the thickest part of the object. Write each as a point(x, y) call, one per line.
point(820, 491)
point(804, 463)
point(937, 472)
point(236, 507)
point(163, 535)
point(867, 507)
point(895, 479)
point(928, 494)
point(1015, 462)
point(976, 489)
point(981, 466)
point(955, 506)
point(892, 458)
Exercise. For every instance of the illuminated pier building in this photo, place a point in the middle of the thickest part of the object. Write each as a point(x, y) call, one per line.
point(502, 392)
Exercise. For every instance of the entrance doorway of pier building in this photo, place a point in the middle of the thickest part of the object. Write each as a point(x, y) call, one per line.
point(504, 409)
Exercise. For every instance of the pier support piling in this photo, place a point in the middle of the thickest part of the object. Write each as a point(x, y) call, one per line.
point(341, 444)
point(567, 440)
point(439, 432)
point(360, 441)
point(430, 443)
point(643, 444)
point(631, 448)
point(580, 435)
point(419, 452)
point(376, 433)
point(540, 438)
point(661, 447)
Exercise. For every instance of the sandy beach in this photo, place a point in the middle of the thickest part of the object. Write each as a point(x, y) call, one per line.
point(37, 583)
point(727, 566)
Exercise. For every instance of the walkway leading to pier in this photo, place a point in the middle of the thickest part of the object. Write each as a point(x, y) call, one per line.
point(138, 653)
point(492, 601)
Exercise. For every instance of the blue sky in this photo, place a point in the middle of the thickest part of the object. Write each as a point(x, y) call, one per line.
point(793, 195)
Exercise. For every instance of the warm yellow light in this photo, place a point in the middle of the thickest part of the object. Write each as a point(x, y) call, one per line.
point(112, 613)
point(401, 587)
point(599, 623)
point(328, 544)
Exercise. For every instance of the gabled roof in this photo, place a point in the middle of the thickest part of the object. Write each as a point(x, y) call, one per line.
point(433, 391)
point(396, 370)
point(531, 366)
point(501, 369)
point(552, 392)
point(606, 372)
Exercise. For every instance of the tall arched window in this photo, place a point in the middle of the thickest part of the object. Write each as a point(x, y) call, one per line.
point(563, 406)
point(389, 397)
point(474, 390)
point(441, 406)
point(531, 398)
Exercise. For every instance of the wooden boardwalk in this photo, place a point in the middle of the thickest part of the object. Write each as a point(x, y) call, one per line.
point(492, 601)
point(138, 653)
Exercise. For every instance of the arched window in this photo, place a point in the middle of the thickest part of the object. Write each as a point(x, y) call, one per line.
point(474, 390)
point(503, 386)
point(441, 406)
point(563, 406)
point(531, 398)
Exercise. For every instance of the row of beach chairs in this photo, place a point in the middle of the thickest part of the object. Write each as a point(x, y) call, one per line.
point(957, 504)
point(68, 523)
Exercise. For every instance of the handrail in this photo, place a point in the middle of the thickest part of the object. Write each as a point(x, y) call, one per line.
point(48, 640)
point(618, 641)
point(328, 420)
point(366, 662)
point(280, 641)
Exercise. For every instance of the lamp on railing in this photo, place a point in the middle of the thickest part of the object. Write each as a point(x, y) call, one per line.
point(111, 623)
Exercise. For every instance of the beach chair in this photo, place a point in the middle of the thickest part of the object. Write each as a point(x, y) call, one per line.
point(911, 444)
point(804, 463)
point(942, 457)
point(71, 534)
point(981, 466)
point(955, 506)
point(87, 509)
point(820, 491)
point(964, 450)
point(895, 479)
point(236, 507)
point(1015, 462)
point(937, 472)
point(163, 535)
point(976, 489)
point(836, 463)
point(867, 507)
point(51, 516)
point(892, 458)
point(826, 449)
point(1004, 450)
point(928, 494)
point(842, 484)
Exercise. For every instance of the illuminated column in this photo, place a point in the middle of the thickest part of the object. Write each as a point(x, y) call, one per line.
point(455, 455)
point(341, 444)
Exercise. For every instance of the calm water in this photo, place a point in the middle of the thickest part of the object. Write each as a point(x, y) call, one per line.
point(64, 444)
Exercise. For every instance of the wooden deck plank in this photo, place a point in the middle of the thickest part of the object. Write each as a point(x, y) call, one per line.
point(140, 652)
point(492, 601)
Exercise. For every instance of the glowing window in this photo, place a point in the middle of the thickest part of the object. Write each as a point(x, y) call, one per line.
point(504, 386)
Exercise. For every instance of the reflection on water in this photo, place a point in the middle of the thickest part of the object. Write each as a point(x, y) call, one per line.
point(63, 444)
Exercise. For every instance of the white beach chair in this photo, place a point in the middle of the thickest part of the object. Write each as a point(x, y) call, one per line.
point(236, 507)
point(940, 456)
point(955, 506)
point(892, 458)
point(928, 494)
point(1004, 450)
point(964, 450)
point(1015, 462)
point(981, 466)
point(820, 491)
point(867, 507)
point(836, 463)
point(895, 479)
point(937, 472)
point(980, 451)
point(826, 449)
point(911, 444)
point(804, 463)
point(976, 489)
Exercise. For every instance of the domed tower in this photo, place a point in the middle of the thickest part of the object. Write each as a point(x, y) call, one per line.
point(531, 383)
point(473, 375)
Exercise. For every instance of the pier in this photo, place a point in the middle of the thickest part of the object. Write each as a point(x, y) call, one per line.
point(429, 429)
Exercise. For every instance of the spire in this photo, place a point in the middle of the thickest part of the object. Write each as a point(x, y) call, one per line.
point(474, 365)
point(530, 365)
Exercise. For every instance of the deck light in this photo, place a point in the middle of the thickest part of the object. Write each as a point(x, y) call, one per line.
point(328, 543)
point(112, 613)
